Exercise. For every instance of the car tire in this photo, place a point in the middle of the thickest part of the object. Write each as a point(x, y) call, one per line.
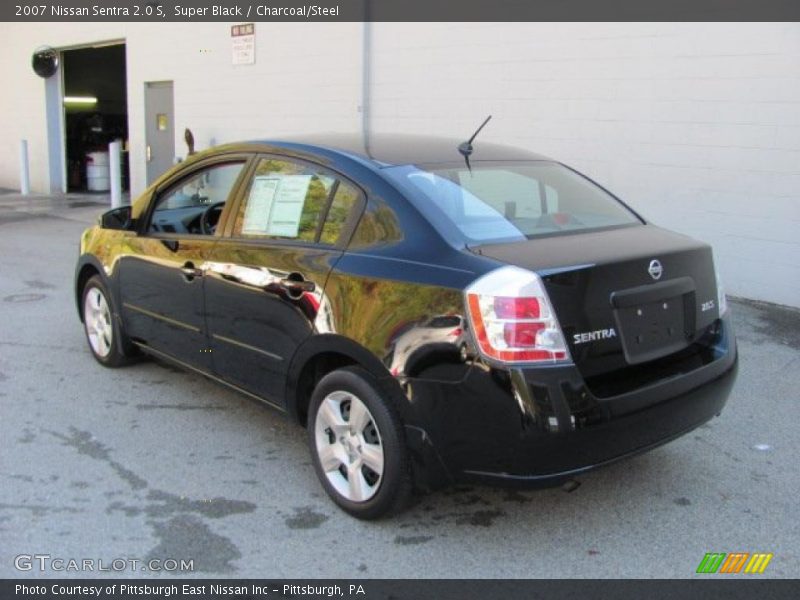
point(364, 466)
point(104, 334)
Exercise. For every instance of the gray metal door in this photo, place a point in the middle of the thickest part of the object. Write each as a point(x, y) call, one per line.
point(159, 113)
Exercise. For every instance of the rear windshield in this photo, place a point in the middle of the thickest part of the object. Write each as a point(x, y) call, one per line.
point(496, 202)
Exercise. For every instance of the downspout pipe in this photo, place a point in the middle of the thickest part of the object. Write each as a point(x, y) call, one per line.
point(24, 172)
point(366, 68)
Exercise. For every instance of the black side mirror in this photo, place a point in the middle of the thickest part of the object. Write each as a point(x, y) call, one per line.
point(117, 218)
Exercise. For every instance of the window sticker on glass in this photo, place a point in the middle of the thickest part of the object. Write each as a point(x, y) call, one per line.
point(161, 121)
point(275, 205)
point(259, 205)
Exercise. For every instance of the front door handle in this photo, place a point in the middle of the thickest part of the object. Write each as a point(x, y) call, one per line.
point(148, 151)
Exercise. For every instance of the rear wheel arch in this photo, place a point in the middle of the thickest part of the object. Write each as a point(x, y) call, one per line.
point(319, 356)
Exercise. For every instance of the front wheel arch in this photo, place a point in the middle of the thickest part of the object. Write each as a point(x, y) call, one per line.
point(86, 272)
point(122, 351)
point(88, 267)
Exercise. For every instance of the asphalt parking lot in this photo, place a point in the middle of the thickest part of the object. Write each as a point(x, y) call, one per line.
point(151, 462)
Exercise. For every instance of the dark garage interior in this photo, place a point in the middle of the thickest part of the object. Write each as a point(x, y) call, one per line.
point(94, 73)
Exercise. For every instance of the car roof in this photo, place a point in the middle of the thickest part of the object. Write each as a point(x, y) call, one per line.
point(386, 150)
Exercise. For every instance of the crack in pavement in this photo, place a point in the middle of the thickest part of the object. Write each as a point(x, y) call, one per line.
point(180, 533)
point(83, 442)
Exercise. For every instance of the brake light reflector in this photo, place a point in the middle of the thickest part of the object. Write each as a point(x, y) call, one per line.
point(512, 319)
point(521, 334)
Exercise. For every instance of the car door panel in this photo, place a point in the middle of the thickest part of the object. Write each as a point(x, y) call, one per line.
point(257, 311)
point(162, 304)
point(162, 271)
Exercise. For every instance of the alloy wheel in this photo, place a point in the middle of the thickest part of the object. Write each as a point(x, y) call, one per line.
point(349, 446)
point(97, 320)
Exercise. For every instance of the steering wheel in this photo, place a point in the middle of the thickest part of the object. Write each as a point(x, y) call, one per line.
point(210, 218)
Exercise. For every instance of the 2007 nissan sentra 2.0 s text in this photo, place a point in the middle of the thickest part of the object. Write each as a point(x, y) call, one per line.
point(431, 311)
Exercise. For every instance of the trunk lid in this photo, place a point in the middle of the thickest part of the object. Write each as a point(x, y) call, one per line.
point(624, 297)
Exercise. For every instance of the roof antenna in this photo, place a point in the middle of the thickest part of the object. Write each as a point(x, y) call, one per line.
point(465, 148)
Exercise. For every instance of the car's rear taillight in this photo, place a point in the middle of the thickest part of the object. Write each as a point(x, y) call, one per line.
point(512, 318)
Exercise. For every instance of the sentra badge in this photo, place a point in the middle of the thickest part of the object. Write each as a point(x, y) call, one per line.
point(593, 336)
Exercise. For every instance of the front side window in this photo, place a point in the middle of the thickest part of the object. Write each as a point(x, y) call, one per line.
point(195, 204)
point(496, 202)
point(287, 199)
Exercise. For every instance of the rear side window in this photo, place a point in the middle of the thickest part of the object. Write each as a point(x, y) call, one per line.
point(344, 200)
point(495, 202)
point(291, 200)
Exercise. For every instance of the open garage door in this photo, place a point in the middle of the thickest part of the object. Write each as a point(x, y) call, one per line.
point(95, 114)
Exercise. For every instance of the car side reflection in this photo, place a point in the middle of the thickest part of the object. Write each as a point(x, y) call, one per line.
point(281, 283)
point(441, 338)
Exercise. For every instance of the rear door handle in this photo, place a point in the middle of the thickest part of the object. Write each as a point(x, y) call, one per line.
point(189, 271)
point(297, 285)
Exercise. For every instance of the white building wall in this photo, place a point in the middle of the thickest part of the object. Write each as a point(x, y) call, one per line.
point(695, 125)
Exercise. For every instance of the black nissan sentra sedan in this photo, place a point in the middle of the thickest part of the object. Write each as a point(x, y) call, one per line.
point(430, 311)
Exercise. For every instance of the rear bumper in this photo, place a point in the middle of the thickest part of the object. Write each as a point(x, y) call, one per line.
point(537, 427)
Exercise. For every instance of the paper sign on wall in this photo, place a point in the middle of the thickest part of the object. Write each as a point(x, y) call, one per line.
point(243, 44)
